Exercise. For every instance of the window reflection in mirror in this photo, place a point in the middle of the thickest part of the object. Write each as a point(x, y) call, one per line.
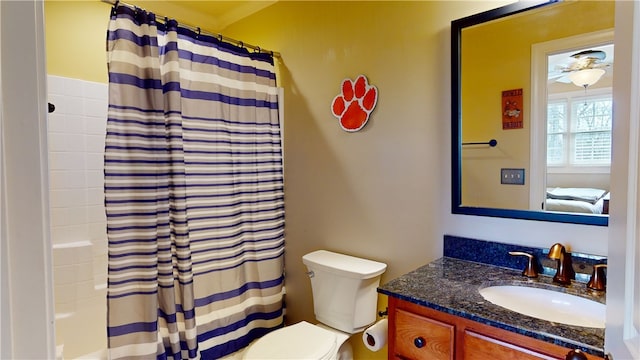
point(574, 166)
point(578, 130)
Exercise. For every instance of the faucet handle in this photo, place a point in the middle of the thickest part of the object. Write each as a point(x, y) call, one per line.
point(531, 271)
point(598, 279)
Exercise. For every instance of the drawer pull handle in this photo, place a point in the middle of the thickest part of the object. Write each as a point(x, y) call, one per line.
point(576, 355)
point(419, 342)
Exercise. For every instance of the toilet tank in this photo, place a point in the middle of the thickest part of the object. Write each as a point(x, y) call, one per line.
point(344, 289)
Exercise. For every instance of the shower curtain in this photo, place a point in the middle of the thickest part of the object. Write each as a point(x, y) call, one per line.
point(193, 192)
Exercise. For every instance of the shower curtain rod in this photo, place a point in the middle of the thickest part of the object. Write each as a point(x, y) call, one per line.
point(199, 30)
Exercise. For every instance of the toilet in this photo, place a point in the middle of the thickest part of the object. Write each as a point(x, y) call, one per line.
point(344, 301)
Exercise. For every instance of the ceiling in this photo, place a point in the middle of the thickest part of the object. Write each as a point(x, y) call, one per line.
point(218, 14)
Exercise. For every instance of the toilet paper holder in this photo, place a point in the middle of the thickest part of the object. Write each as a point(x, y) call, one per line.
point(375, 336)
point(369, 338)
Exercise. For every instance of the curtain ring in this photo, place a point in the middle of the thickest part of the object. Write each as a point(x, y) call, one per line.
point(198, 33)
point(258, 50)
point(220, 37)
point(241, 44)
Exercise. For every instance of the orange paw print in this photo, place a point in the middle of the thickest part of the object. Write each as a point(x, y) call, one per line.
point(354, 105)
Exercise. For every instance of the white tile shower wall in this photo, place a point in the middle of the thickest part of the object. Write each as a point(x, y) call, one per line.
point(76, 149)
point(73, 277)
point(80, 304)
point(76, 131)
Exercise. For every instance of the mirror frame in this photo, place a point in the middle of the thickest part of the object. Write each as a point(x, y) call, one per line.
point(456, 127)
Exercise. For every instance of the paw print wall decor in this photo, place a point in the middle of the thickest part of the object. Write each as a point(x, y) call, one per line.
point(355, 103)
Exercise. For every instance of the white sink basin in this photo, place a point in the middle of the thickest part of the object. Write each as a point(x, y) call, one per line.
point(547, 305)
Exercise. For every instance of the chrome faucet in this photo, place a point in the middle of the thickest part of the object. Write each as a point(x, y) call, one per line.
point(564, 273)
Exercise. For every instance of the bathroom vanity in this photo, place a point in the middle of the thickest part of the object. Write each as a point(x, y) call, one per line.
point(420, 332)
point(437, 312)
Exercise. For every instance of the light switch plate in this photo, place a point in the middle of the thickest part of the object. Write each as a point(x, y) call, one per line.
point(512, 176)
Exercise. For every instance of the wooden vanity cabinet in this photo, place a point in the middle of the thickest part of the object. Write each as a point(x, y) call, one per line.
point(417, 332)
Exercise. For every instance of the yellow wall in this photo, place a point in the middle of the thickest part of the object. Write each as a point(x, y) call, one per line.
point(380, 193)
point(483, 83)
point(376, 193)
point(76, 32)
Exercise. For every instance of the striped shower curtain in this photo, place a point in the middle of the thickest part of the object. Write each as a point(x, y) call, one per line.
point(193, 192)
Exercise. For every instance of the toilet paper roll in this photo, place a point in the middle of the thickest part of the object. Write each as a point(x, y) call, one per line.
point(375, 336)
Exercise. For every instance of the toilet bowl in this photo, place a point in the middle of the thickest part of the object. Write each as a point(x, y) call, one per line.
point(344, 301)
point(302, 340)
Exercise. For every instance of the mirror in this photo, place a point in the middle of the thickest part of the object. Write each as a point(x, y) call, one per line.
point(507, 145)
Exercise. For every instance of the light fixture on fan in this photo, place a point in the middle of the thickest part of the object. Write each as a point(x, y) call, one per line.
point(586, 77)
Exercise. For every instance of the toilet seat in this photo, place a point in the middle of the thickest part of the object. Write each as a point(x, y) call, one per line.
point(299, 341)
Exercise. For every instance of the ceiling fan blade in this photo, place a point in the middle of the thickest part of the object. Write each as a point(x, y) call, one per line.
point(603, 65)
point(556, 74)
point(590, 54)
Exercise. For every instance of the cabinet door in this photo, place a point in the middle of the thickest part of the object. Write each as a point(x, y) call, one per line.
point(480, 347)
point(418, 337)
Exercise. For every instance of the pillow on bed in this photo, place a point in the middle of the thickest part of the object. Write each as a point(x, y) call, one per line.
point(582, 194)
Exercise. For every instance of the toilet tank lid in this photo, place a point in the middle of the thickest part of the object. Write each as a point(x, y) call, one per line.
point(342, 264)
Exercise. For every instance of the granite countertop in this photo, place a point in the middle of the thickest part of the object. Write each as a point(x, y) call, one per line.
point(451, 285)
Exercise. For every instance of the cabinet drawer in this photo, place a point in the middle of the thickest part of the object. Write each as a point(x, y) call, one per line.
point(480, 347)
point(417, 337)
